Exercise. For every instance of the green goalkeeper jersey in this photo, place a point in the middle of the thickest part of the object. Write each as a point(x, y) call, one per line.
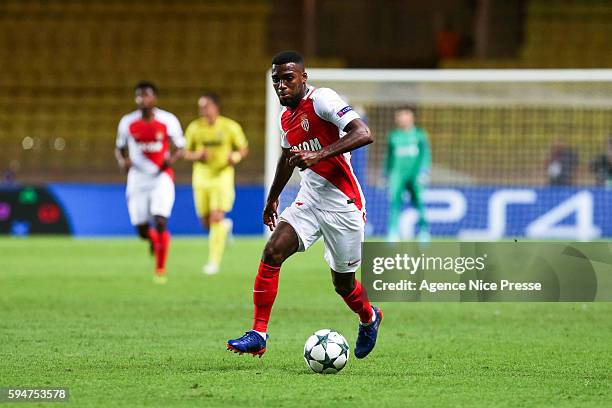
point(407, 152)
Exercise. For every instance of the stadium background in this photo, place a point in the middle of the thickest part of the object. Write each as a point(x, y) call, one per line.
point(68, 68)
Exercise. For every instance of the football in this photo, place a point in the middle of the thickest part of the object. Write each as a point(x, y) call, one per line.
point(326, 352)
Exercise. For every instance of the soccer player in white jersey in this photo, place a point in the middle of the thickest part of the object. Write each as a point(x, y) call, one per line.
point(318, 132)
point(144, 152)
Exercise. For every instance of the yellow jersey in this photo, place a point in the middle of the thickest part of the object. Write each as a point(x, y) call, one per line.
point(219, 140)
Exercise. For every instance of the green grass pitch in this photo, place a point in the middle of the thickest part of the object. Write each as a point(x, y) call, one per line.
point(84, 314)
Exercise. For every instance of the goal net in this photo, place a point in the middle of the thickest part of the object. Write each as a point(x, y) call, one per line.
point(515, 153)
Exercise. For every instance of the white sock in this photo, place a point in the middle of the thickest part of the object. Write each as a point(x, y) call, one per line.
point(262, 334)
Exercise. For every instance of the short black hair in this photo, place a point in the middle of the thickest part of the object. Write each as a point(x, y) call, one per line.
point(410, 108)
point(146, 85)
point(285, 57)
point(213, 96)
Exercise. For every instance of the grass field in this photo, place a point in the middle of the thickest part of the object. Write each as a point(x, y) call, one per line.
point(84, 314)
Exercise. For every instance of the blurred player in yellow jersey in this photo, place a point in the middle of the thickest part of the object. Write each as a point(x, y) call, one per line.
point(215, 144)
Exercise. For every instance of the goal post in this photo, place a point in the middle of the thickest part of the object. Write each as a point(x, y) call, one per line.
point(514, 152)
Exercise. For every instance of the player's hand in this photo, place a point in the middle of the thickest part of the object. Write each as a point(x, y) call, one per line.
point(203, 155)
point(270, 215)
point(234, 158)
point(125, 164)
point(166, 164)
point(304, 159)
point(424, 177)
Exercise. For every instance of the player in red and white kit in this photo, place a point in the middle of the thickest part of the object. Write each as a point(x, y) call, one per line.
point(143, 151)
point(318, 132)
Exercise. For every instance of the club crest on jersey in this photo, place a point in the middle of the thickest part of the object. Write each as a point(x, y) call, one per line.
point(304, 122)
point(159, 135)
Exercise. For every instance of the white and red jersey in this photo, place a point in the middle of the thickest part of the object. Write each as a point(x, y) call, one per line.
point(148, 143)
point(318, 121)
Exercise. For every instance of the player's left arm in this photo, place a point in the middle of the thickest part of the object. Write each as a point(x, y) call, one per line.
point(177, 153)
point(330, 107)
point(236, 156)
point(357, 135)
point(389, 158)
point(177, 140)
point(240, 146)
point(424, 158)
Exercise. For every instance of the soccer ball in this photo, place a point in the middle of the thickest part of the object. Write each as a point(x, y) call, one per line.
point(326, 352)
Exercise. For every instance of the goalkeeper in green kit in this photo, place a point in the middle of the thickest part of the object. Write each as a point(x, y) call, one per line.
point(407, 167)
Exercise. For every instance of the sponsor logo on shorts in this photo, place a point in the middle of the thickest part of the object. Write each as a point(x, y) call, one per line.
point(353, 262)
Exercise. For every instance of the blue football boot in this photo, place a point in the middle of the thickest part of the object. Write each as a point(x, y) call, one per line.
point(366, 339)
point(251, 343)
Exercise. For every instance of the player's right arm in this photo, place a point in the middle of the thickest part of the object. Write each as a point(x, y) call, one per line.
point(283, 173)
point(191, 153)
point(123, 159)
point(200, 155)
point(121, 150)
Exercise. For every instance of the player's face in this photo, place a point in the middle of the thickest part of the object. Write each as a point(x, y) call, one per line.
point(289, 81)
point(207, 108)
point(145, 98)
point(404, 119)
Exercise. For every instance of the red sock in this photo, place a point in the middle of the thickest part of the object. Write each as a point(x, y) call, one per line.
point(358, 302)
point(264, 293)
point(154, 238)
point(161, 251)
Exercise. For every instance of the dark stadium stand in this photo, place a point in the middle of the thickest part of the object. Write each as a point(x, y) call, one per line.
point(68, 68)
point(559, 34)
